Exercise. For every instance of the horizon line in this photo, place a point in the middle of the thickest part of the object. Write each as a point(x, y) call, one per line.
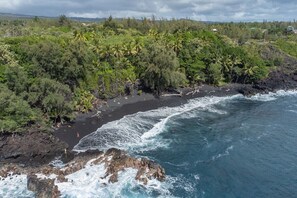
point(140, 18)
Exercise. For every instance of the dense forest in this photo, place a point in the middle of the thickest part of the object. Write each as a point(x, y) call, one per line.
point(51, 68)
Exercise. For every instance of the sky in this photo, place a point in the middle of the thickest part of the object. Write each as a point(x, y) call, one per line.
point(202, 10)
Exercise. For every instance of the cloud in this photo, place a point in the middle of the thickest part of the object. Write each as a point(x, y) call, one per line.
point(211, 10)
point(9, 5)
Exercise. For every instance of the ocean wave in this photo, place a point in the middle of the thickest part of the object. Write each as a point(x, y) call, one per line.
point(141, 130)
point(183, 184)
point(216, 156)
point(15, 186)
point(178, 165)
point(272, 95)
point(126, 187)
point(292, 111)
point(91, 183)
point(223, 154)
point(137, 132)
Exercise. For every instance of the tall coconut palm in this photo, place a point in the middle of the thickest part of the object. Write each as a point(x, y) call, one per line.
point(79, 36)
point(154, 34)
point(227, 66)
point(6, 57)
point(138, 45)
point(93, 35)
point(249, 71)
point(96, 47)
point(103, 74)
point(106, 52)
point(130, 49)
point(118, 51)
point(177, 45)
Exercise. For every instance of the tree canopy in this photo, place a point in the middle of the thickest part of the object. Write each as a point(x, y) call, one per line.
point(50, 68)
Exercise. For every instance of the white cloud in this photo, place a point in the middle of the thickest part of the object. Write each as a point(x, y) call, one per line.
point(115, 14)
point(239, 15)
point(203, 7)
point(9, 4)
point(215, 10)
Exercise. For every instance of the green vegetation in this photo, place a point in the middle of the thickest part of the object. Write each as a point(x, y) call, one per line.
point(51, 68)
point(288, 45)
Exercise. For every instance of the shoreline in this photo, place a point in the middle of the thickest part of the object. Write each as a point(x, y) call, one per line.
point(121, 106)
point(34, 148)
point(117, 108)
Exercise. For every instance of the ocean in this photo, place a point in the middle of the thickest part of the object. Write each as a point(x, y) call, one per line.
point(230, 146)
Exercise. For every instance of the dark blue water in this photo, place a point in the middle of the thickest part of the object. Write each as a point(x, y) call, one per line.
point(246, 148)
point(210, 147)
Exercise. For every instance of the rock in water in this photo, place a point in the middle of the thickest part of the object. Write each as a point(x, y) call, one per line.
point(119, 161)
point(43, 188)
point(114, 160)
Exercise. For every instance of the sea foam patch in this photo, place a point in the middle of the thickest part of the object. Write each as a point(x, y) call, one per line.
point(141, 130)
point(272, 95)
point(15, 186)
point(91, 182)
point(138, 131)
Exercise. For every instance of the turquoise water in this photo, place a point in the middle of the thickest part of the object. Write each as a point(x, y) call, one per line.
point(210, 147)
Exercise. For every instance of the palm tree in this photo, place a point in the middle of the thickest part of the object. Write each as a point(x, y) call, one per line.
point(105, 52)
point(93, 35)
point(79, 36)
point(138, 45)
point(227, 66)
point(249, 71)
point(177, 45)
point(154, 34)
point(118, 51)
point(96, 48)
point(6, 57)
point(130, 49)
point(103, 73)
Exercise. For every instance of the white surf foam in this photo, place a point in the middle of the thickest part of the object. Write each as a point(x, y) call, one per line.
point(139, 131)
point(223, 154)
point(57, 163)
point(182, 183)
point(15, 186)
point(272, 95)
point(90, 183)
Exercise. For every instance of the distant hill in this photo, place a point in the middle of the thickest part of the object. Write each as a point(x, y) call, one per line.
point(23, 16)
point(81, 19)
point(9, 15)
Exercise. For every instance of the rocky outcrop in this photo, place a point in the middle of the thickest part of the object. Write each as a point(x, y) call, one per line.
point(119, 160)
point(284, 77)
point(276, 81)
point(114, 161)
point(30, 148)
point(43, 188)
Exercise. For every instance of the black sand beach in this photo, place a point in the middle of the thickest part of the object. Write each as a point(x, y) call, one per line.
point(68, 135)
point(121, 106)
